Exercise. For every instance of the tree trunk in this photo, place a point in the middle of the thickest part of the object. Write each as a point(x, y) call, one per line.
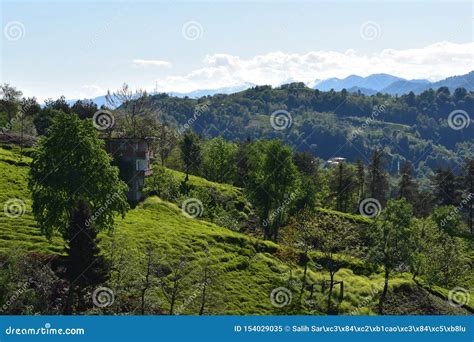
point(304, 277)
point(203, 301)
point(68, 306)
point(384, 292)
point(331, 287)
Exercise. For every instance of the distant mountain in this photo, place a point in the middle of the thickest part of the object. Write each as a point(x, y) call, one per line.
point(405, 86)
point(369, 85)
point(393, 85)
point(205, 92)
point(375, 82)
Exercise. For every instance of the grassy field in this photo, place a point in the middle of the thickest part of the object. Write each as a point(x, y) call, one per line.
point(247, 269)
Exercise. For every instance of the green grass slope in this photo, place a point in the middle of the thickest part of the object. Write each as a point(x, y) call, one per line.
point(247, 269)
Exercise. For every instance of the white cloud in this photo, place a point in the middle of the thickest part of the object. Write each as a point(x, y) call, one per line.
point(151, 62)
point(432, 62)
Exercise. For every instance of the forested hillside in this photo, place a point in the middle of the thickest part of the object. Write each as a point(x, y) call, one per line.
point(337, 124)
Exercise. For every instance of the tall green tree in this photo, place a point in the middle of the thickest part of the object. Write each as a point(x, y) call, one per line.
point(468, 182)
point(392, 240)
point(378, 178)
point(74, 187)
point(272, 181)
point(191, 153)
point(446, 187)
point(219, 160)
point(407, 187)
point(343, 186)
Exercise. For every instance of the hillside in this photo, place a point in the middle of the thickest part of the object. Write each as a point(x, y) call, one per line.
point(247, 269)
point(416, 128)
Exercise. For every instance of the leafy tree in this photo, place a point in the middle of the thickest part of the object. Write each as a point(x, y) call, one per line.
point(272, 178)
point(219, 160)
point(300, 234)
point(305, 163)
point(166, 142)
point(133, 114)
point(58, 104)
point(241, 161)
point(190, 153)
point(71, 165)
point(448, 219)
point(85, 109)
point(333, 235)
point(10, 101)
point(43, 120)
point(71, 177)
point(392, 239)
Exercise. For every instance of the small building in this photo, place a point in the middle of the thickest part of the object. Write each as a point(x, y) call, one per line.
point(133, 156)
point(335, 161)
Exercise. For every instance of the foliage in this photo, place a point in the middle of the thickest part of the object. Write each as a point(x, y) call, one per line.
point(69, 165)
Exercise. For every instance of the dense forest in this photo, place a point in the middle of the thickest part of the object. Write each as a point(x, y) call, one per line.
point(260, 203)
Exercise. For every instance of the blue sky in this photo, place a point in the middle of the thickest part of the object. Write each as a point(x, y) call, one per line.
point(81, 49)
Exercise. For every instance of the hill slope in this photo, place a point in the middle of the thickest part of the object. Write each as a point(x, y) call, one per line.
point(247, 269)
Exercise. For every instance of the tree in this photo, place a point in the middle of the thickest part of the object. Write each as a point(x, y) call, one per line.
point(333, 235)
point(219, 160)
point(392, 240)
point(172, 277)
point(343, 184)
point(468, 181)
point(10, 100)
point(407, 187)
point(271, 180)
point(190, 153)
point(300, 234)
point(378, 183)
point(133, 108)
point(166, 142)
point(84, 266)
point(71, 177)
point(445, 184)
point(85, 109)
point(448, 219)
point(70, 165)
point(360, 180)
point(29, 109)
point(241, 161)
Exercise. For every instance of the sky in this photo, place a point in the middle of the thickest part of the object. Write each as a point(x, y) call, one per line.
point(81, 49)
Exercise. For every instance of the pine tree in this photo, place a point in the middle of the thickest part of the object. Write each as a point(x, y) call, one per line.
point(378, 179)
point(407, 188)
point(468, 180)
point(445, 185)
point(84, 266)
point(360, 180)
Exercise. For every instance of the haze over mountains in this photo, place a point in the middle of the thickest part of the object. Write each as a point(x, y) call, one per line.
point(370, 85)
